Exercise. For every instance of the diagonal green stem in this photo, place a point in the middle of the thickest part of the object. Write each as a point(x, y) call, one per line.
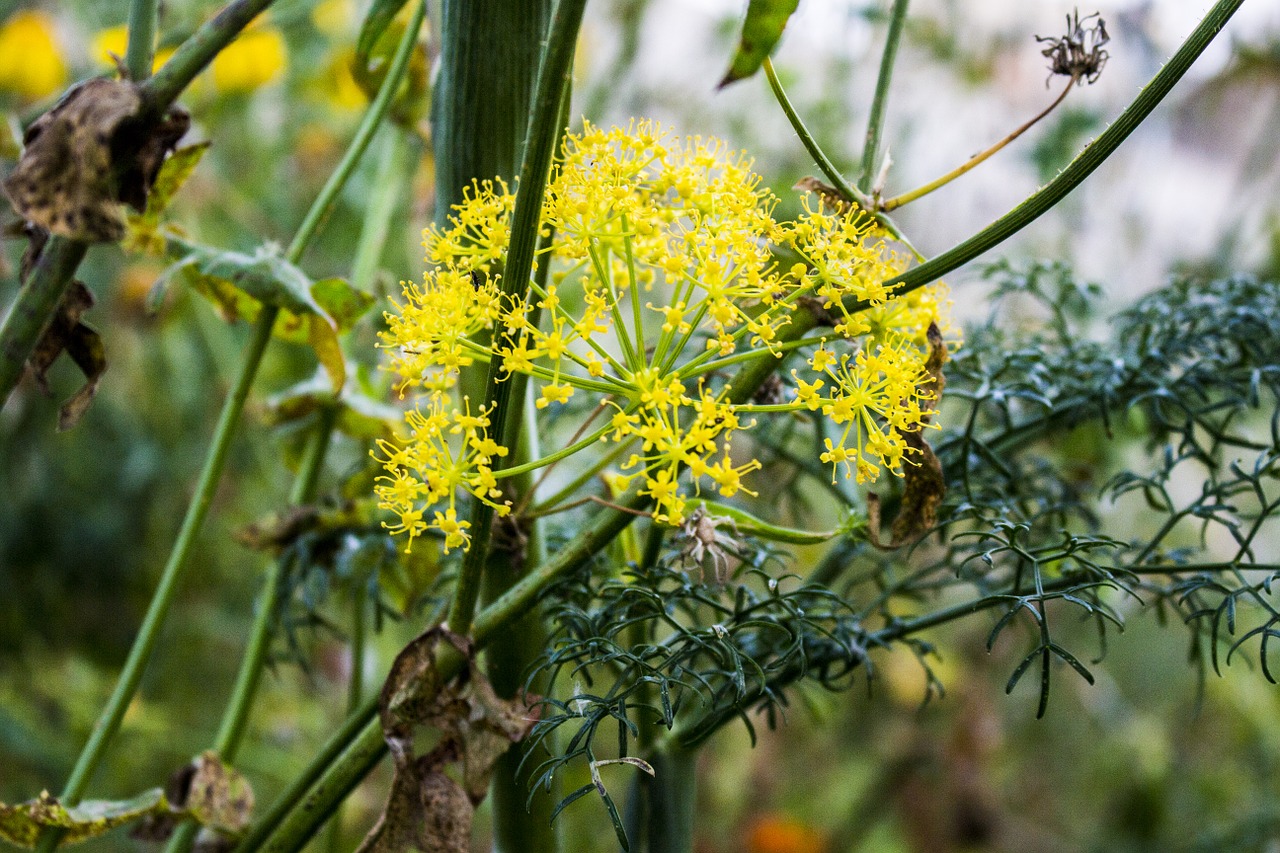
point(239, 706)
point(109, 720)
point(195, 54)
point(34, 307)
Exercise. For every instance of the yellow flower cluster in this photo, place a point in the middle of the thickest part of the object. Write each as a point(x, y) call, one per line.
point(662, 279)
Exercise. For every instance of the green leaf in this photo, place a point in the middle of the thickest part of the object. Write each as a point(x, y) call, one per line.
point(311, 313)
point(21, 824)
point(760, 33)
point(380, 15)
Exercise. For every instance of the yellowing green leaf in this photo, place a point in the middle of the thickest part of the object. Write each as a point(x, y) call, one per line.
point(22, 824)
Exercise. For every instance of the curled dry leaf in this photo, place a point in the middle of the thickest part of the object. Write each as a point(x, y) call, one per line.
point(89, 155)
point(208, 791)
point(427, 810)
point(66, 333)
point(22, 823)
point(923, 485)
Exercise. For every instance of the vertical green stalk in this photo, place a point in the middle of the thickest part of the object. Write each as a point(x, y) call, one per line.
point(670, 800)
point(141, 51)
point(553, 77)
point(489, 52)
point(512, 653)
point(875, 121)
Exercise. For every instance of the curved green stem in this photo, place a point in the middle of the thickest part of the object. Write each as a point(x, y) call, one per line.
point(553, 76)
point(875, 121)
point(847, 190)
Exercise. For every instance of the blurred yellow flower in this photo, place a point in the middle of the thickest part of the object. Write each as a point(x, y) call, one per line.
point(340, 86)
point(114, 41)
point(250, 62)
point(335, 18)
point(31, 65)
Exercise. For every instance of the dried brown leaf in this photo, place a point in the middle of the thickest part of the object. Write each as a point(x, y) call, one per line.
point(89, 154)
point(67, 334)
point(426, 809)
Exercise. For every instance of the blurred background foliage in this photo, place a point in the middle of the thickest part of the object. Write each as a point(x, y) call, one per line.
point(1149, 758)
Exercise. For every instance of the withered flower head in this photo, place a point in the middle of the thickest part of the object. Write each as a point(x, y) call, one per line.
point(1078, 54)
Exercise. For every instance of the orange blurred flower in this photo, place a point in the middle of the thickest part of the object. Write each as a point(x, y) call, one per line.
point(772, 833)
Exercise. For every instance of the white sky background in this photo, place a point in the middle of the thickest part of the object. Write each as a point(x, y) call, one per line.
point(1202, 170)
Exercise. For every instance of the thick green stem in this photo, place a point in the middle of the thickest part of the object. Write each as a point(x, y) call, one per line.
point(141, 50)
point(669, 800)
point(553, 76)
point(875, 121)
point(357, 726)
point(489, 52)
point(508, 660)
point(109, 720)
